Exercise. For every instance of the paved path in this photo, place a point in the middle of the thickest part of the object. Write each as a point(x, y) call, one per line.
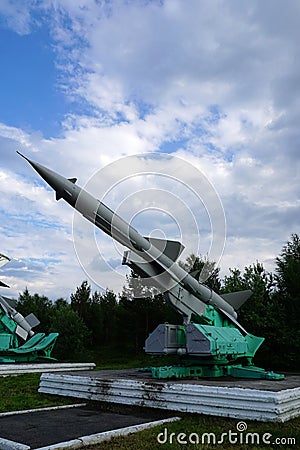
point(40, 429)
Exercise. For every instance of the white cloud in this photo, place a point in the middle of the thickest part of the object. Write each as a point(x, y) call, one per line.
point(17, 15)
point(217, 83)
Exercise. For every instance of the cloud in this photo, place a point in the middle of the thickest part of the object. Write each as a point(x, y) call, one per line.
point(216, 84)
point(17, 15)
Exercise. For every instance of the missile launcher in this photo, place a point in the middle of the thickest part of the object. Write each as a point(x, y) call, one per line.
point(210, 342)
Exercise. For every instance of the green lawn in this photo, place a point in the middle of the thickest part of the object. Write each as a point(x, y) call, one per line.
point(194, 426)
point(21, 392)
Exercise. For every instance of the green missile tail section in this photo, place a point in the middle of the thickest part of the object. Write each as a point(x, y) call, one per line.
point(18, 342)
point(37, 348)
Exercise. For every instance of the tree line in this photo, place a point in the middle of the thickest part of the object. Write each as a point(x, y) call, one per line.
point(93, 323)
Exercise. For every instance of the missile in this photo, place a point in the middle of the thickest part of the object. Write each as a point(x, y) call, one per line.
point(151, 258)
point(24, 324)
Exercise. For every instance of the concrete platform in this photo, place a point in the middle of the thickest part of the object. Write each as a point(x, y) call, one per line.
point(264, 400)
point(17, 369)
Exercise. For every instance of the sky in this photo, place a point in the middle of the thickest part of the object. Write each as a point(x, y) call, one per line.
point(181, 115)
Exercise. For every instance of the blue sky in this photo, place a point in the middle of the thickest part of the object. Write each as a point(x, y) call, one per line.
point(85, 84)
point(30, 97)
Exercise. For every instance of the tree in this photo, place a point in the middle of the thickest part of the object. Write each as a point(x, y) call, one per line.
point(93, 320)
point(287, 275)
point(81, 300)
point(259, 313)
point(73, 334)
point(287, 295)
point(37, 304)
point(108, 311)
point(60, 302)
point(233, 282)
point(255, 313)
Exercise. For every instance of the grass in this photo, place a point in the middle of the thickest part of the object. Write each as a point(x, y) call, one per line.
point(21, 392)
point(199, 424)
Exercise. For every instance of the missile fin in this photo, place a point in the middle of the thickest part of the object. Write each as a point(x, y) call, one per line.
point(138, 269)
point(73, 180)
point(140, 266)
point(58, 196)
point(172, 249)
point(3, 259)
point(21, 332)
point(32, 320)
point(237, 299)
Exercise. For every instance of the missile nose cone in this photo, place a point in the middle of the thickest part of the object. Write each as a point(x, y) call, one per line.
point(36, 166)
point(23, 156)
point(55, 180)
point(64, 188)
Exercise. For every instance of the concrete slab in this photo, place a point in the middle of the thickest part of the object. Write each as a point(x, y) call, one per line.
point(47, 428)
point(18, 369)
point(265, 400)
point(291, 381)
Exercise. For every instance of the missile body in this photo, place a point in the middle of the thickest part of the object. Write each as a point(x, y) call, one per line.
point(153, 259)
